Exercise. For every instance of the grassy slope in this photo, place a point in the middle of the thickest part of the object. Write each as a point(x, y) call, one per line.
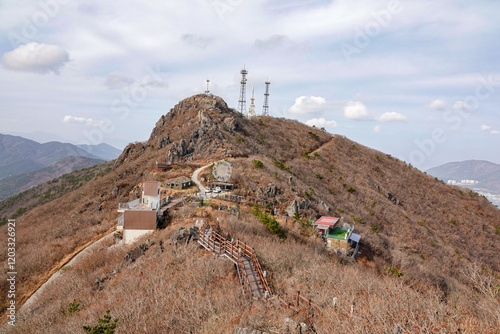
point(422, 226)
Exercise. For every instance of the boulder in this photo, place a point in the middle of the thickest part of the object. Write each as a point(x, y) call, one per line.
point(292, 327)
point(163, 141)
point(296, 206)
point(133, 255)
point(240, 330)
point(271, 191)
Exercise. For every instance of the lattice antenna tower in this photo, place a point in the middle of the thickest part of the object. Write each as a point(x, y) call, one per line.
point(251, 110)
point(265, 108)
point(242, 103)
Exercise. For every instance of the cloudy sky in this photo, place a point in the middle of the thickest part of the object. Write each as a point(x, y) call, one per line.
point(419, 80)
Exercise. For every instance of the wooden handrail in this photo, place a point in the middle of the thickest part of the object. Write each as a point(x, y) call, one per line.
point(231, 249)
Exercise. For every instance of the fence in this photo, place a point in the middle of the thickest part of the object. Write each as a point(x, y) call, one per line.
point(211, 239)
point(129, 205)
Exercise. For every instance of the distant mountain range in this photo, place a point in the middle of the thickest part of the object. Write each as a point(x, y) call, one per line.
point(25, 163)
point(487, 175)
point(13, 185)
point(19, 155)
point(103, 151)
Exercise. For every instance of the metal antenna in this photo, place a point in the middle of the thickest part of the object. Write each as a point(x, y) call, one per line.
point(265, 108)
point(251, 111)
point(242, 103)
point(208, 90)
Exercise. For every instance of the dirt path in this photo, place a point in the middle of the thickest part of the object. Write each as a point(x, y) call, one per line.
point(195, 180)
point(30, 299)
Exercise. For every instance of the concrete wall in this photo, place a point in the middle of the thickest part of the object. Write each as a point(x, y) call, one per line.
point(130, 236)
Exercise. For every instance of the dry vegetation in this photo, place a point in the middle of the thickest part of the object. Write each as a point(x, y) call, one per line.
point(185, 289)
point(441, 239)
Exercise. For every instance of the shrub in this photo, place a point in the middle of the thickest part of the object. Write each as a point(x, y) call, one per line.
point(305, 154)
point(319, 176)
point(258, 164)
point(374, 228)
point(421, 223)
point(73, 307)
point(270, 222)
point(313, 135)
point(351, 189)
point(280, 165)
point(104, 325)
point(394, 271)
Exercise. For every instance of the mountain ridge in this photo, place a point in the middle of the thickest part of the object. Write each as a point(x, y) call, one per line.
point(20, 155)
point(418, 234)
point(13, 185)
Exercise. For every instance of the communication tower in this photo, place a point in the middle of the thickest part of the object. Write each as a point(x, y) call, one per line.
point(242, 103)
point(265, 108)
point(207, 92)
point(251, 111)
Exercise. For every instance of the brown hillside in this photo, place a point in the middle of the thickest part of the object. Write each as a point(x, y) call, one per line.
point(431, 232)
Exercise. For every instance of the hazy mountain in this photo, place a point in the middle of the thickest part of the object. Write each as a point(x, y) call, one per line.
point(487, 175)
point(20, 155)
point(103, 151)
point(465, 170)
point(15, 184)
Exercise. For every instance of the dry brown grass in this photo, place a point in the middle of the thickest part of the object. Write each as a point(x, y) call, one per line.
point(431, 238)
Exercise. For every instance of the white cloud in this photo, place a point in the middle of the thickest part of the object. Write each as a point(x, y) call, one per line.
point(377, 128)
point(485, 127)
point(321, 123)
point(36, 57)
point(355, 110)
point(116, 80)
point(438, 105)
point(82, 120)
point(196, 41)
point(461, 105)
point(495, 132)
point(391, 117)
point(307, 105)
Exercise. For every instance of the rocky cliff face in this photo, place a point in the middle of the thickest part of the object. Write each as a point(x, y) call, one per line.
point(196, 127)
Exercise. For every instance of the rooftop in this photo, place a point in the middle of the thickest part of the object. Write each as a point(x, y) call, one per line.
point(151, 188)
point(180, 179)
point(337, 233)
point(328, 221)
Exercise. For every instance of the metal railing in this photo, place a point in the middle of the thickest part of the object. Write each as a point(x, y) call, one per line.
point(129, 205)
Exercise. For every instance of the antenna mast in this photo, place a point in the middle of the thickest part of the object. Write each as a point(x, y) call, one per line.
point(265, 108)
point(242, 103)
point(251, 111)
point(207, 92)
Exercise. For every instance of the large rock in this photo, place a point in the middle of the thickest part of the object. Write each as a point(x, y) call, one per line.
point(183, 236)
point(292, 327)
point(204, 119)
point(296, 206)
point(231, 124)
point(163, 141)
point(240, 330)
point(133, 255)
point(183, 148)
point(271, 191)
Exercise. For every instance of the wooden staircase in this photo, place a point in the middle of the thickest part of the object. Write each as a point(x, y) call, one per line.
point(251, 275)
